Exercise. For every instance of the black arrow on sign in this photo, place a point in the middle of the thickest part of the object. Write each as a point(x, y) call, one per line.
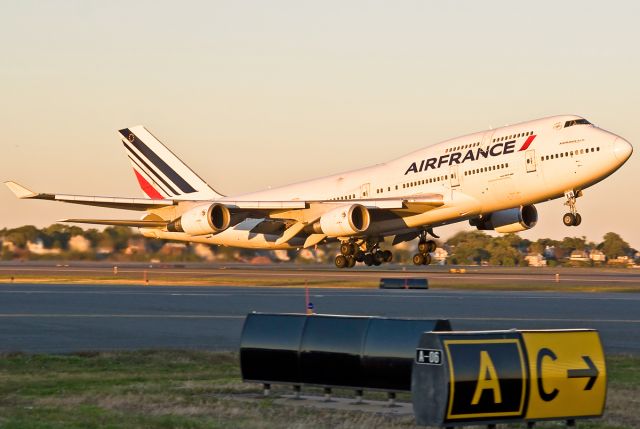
point(591, 372)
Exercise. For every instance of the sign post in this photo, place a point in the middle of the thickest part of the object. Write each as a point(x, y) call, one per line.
point(464, 378)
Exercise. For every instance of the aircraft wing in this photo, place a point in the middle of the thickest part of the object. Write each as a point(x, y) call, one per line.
point(416, 203)
point(143, 204)
point(140, 204)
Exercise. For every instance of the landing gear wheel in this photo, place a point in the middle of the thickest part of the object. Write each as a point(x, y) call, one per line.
point(426, 246)
point(578, 220)
point(427, 259)
point(341, 261)
point(378, 258)
point(418, 259)
point(368, 259)
point(359, 256)
point(351, 262)
point(569, 219)
point(387, 256)
point(347, 249)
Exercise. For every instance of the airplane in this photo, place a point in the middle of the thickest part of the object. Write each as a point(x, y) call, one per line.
point(492, 179)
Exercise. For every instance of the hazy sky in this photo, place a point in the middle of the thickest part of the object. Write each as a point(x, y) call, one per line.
point(257, 94)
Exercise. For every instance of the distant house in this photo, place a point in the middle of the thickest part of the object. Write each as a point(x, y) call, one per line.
point(173, 249)
point(536, 260)
point(9, 245)
point(135, 246)
point(621, 260)
point(281, 255)
point(579, 256)
point(204, 251)
point(597, 256)
point(105, 247)
point(37, 248)
point(440, 255)
point(79, 243)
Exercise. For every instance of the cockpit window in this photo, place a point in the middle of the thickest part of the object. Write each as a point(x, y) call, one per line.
point(576, 122)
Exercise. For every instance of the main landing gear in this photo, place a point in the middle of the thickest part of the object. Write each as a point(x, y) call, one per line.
point(365, 251)
point(572, 218)
point(425, 247)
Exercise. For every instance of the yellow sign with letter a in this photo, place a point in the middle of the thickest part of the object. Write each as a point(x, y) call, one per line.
point(568, 375)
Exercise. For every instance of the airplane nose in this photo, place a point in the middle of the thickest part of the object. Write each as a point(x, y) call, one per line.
point(622, 149)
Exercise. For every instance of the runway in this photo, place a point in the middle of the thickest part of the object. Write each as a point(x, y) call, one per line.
point(438, 275)
point(71, 318)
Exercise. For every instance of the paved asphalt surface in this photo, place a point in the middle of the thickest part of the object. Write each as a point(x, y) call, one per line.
point(67, 318)
point(591, 277)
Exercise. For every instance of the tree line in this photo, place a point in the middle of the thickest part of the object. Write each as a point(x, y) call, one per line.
point(122, 243)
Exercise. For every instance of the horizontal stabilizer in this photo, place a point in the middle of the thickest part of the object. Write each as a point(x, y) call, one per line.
point(118, 222)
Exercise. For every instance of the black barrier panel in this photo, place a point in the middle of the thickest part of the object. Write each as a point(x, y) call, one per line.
point(269, 347)
point(339, 351)
point(330, 351)
point(407, 283)
point(390, 348)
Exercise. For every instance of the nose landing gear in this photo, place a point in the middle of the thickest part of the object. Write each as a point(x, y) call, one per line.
point(572, 218)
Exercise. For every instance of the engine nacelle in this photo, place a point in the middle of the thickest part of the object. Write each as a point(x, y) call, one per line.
point(510, 220)
point(202, 220)
point(343, 221)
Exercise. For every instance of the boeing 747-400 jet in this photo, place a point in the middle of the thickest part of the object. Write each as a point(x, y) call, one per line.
point(491, 179)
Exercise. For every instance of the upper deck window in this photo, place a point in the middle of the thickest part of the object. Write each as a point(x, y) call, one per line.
point(576, 122)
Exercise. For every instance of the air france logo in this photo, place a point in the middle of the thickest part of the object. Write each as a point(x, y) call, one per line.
point(502, 148)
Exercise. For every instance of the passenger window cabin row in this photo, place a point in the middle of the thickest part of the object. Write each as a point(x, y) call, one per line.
point(485, 169)
point(512, 136)
point(569, 153)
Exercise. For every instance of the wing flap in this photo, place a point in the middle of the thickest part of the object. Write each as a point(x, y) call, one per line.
point(120, 222)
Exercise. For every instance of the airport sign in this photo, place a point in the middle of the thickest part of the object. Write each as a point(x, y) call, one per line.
point(501, 376)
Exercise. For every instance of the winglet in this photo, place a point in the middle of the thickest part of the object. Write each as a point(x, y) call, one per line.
point(19, 190)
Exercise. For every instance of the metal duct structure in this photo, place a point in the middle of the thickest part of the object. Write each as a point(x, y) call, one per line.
point(357, 352)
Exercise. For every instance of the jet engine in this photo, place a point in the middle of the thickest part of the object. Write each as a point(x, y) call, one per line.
point(343, 221)
point(202, 220)
point(510, 220)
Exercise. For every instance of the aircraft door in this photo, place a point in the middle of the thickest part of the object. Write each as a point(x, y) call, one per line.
point(455, 180)
point(530, 159)
point(365, 190)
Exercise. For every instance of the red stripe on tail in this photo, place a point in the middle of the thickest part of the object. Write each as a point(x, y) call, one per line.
point(527, 143)
point(147, 188)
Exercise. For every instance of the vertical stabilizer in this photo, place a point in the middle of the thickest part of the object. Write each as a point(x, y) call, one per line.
point(160, 173)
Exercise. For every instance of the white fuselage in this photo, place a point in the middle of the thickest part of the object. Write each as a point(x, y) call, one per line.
point(477, 174)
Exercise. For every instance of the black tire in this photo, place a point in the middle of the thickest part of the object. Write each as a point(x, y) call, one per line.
point(377, 262)
point(351, 262)
point(418, 259)
point(578, 220)
point(346, 249)
point(427, 259)
point(423, 247)
point(569, 219)
point(359, 256)
point(341, 261)
point(432, 246)
point(378, 257)
point(388, 256)
point(368, 259)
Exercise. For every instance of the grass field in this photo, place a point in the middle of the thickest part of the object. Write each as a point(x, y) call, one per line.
point(160, 279)
point(197, 389)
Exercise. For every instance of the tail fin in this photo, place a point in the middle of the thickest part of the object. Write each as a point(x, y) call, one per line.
point(160, 173)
